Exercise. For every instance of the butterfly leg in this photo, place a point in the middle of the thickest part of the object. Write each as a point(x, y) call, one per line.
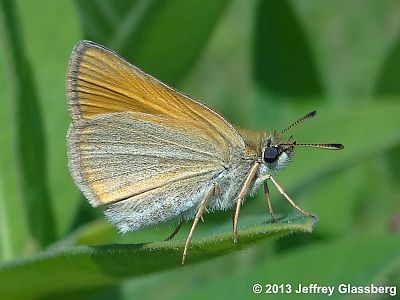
point(175, 231)
point(242, 194)
point(280, 189)
point(266, 192)
point(202, 207)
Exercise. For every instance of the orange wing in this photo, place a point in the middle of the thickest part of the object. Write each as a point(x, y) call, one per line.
point(100, 82)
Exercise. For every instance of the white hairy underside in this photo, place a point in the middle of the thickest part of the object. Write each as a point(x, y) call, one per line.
point(180, 200)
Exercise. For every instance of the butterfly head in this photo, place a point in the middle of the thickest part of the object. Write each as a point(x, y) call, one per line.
point(278, 152)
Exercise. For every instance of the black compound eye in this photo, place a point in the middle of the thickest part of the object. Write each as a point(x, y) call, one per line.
point(270, 154)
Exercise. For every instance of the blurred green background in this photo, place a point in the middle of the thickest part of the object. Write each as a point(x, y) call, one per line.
point(262, 64)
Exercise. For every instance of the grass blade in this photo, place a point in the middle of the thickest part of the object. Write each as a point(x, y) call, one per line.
point(30, 144)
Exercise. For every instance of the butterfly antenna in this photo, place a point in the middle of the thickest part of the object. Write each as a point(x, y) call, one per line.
point(322, 146)
point(302, 119)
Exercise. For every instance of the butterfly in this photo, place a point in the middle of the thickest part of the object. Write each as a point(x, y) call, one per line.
point(149, 154)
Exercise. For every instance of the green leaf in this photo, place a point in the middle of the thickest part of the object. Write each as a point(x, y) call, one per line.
point(30, 143)
point(283, 62)
point(13, 232)
point(336, 196)
point(348, 47)
point(100, 265)
point(388, 85)
point(164, 38)
point(393, 162)
point(388, 80)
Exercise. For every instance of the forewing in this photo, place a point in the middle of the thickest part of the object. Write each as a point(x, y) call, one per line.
point(120, 156)
point(100, 81)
